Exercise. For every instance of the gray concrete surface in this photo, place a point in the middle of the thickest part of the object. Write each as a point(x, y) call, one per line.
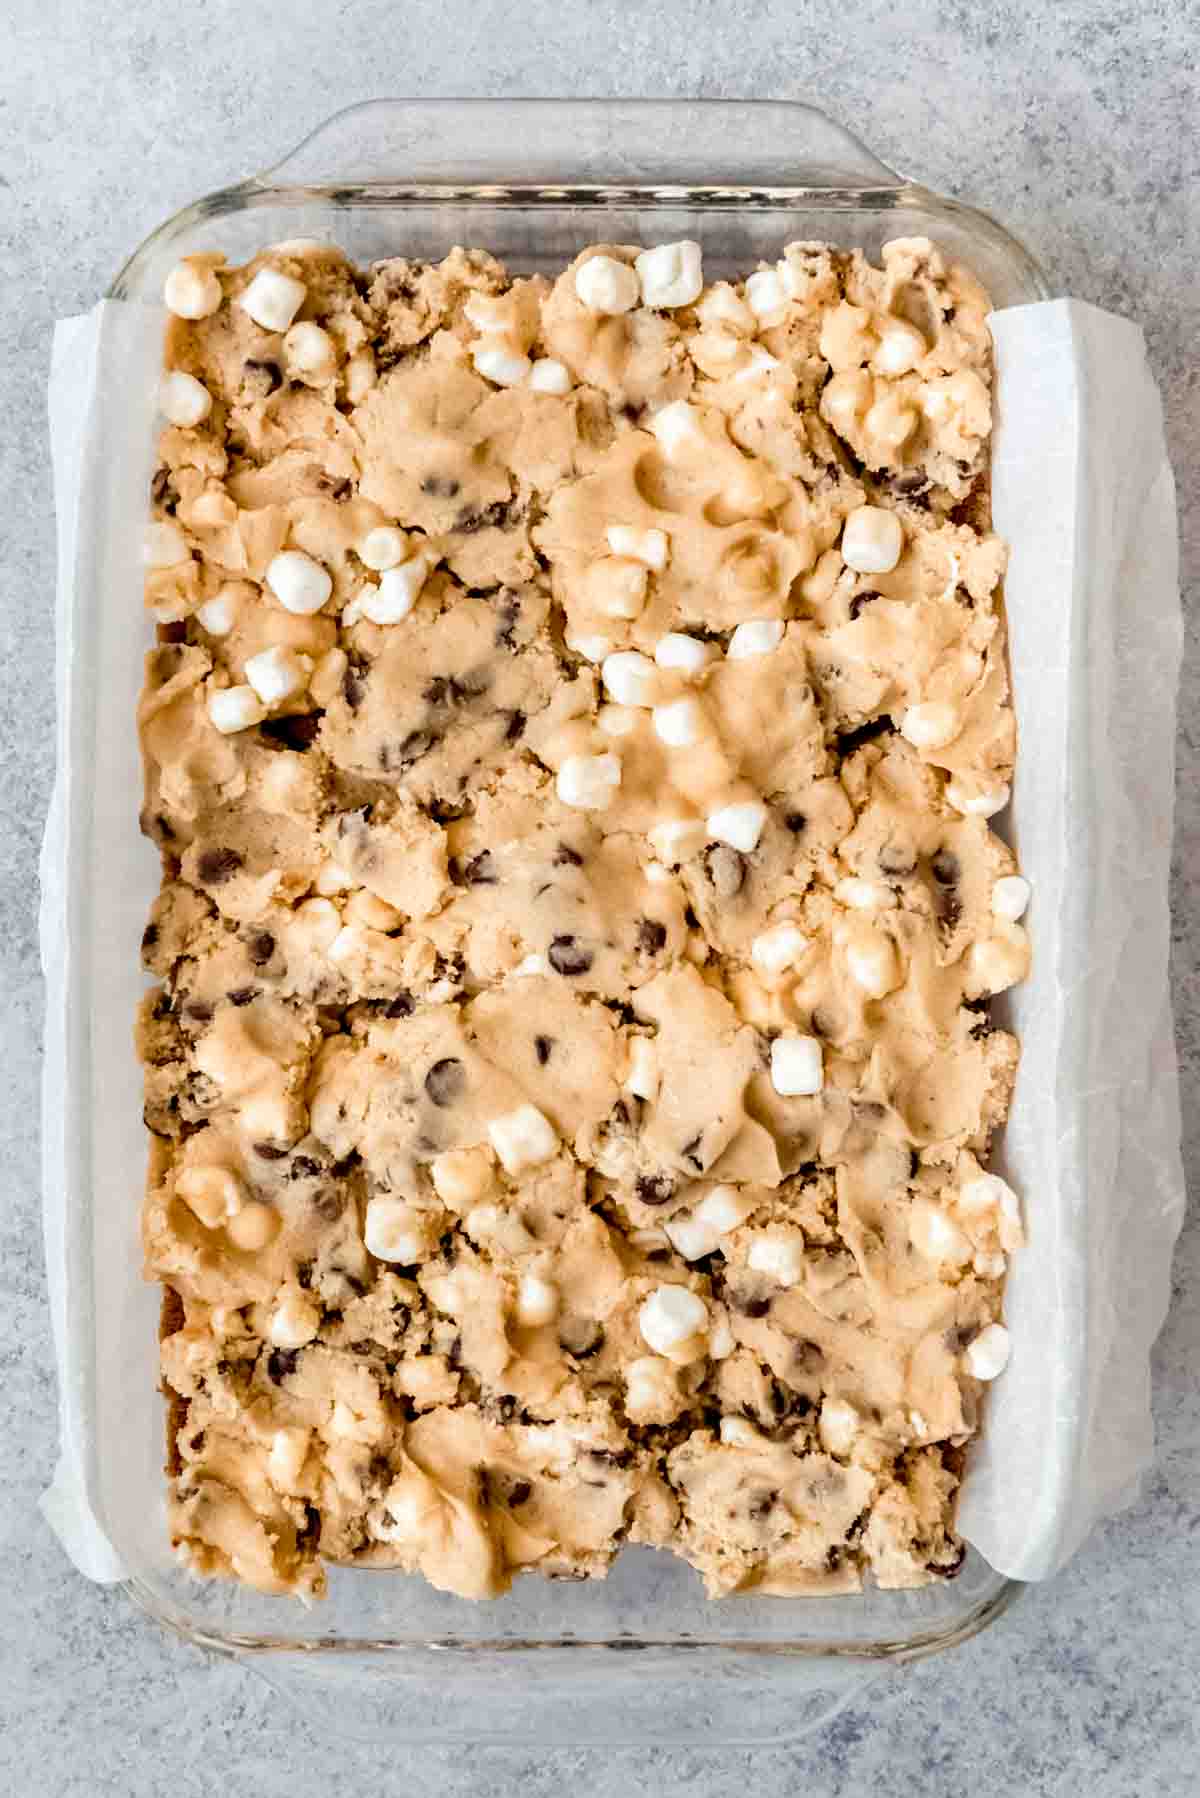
point(1074, 122)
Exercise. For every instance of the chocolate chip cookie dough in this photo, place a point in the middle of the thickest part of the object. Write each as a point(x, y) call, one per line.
point(576, 713)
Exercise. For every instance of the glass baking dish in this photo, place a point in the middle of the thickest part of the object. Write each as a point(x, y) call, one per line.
point(642, 1654)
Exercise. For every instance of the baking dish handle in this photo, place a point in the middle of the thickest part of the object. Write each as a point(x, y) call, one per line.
point(505, 144)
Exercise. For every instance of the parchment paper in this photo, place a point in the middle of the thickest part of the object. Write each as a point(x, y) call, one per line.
point(1083, 494)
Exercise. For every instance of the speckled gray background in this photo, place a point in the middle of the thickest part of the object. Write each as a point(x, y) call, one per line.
point(1073, 122)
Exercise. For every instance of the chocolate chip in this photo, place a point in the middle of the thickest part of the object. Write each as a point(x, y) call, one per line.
point(198, 1012)
point(448, 811)
point(951, 1569)
point(655, 1189)
point(519, 1493)
point(281, 1363)
point(401, 1006)
point(516, 727)
point(860, 600)
point(860, 1523)
point(215, 866)
point(353, 686)
point(510, 614)
point(439, 486)
point(298, 732)
point(565, 856)
point(849, 740)
point(175, 632)
point(796, 822)
point(542, 1046)
point(567, 955)
point(445, 1081)
point(760, 1504)
point(303, 1167)
point(980, 1032)
point(833, 1558)
point(243, 995)
point(266, 1151)
point(159, 485)
point(581, 1337)
point(480, 871)
point(261, 948)
point(395, 757)
point(726, 869)
point(691, 1152)
point(896, 861)
point(304, 1274)
point(149, 936)
point(945, 867)
point(651, 936)
point(747, 1304)
point(310, 1535)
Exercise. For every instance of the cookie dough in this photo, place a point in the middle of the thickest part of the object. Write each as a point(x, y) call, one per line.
point(575, 717)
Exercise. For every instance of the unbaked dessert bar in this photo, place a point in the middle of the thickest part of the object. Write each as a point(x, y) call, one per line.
point(576, 715)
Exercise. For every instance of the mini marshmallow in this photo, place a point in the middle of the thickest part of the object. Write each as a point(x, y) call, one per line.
point(650, 546)
point(501, 365)
point(740, 825)
point(617, 720)
point(901, 347)
point(548, 375)
point(592, 649)
point(320, 921)
point(191, 292)
point(394, 1230)
point(863, 895)
point(993, 964)
point(739, 1432)
point(766, 294)
point(213, 1194)
point(299, 584)
point(651, 1390)
point(721, 1340)
point(797, 1066)
point(989, 1267)
point(523, 1138)
point(670, 274)
point(272, 299)
point(216, 615)
point(253, 1228)
point(677, 426)
point(758, 362)
point(631, 678)
point(872, 540)
point(461, 1176)
point(987, 1356)
point(398, 591)
point(642, 1078)
point(689, 1237)
point(838, 1426)
point(537, 1302)
point(360, 376)
point(616, 586)
point(275, 674)
point(988, 1193)
point(756, 637)
point(930, 725)
point(977, 805)
point(682, 654)
point(872, 963)
point(1010, 897)
point(935, 1235)
point(289, 1450)
point(605, 285)
point(533, 967)
point(890, 422)
point(308, 350)
point(781, 947)
point(164, 545)
point(670, 1318)
point(723, 1208)
point(231, 709)
point(383, 547)
point(779, 1254)
point(183, 400)
point(588, 782)
point(294, 1323)
point(676, 840)
point(679, 724)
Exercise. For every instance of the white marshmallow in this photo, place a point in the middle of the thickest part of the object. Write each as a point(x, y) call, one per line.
point(989, 1267)
point(682, 654)
point(631, 678)
point(164, 545)
point(872, 963)
point(548, 375)
point(294, 1323)
point(987, 1356)
point(671, 274)
point(605, 285)
point(671, 1318)
point(797, 1066)
point(310, 351)
point(398, 591)
point(863, 895)
point(651, 1390)
point(523, 1138)
point(872, 540)
point(461, 1176)
point(739, 1432)
point(758, 362)
point(394, 1230)
point(1010, 896)
point(588, 782)
point(383, 547)
point(617, 720)
point(935, 1235)
point(721, 1340)
point(689, 1237)
point(779, 1254)
point(276, 674)
point(216, 615)
point(642, 1078)
point(930, 725)
point(677, 426)
point(592, 649)
point(650, 546)
point(231, 709)
point(781, 947)
point(213, 1194)
point(838, 1426)
point(272, 299)
point(191, 292)
point(995, 963)
point(977, 805)
point(680, 724)
point(501, 365)
point(766, 295)
point(360, 376)
point(740, 825)
point(756, 637)
point(989, 1193)
point(617, 586)
point(723, 1208)
point(901, 347)
point(677, 840)
point(531, 968)
point(537, 1302)
point(183, 400)
point(299, 584)
point(289, 1450)
point(253, 1227)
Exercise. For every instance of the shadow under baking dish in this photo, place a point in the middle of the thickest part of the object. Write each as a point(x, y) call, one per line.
point(641, 1656)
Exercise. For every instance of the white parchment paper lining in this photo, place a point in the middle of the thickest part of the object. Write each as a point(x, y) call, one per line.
point(1083, 494)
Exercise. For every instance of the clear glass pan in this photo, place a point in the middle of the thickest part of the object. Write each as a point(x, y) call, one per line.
point(642, 1656)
